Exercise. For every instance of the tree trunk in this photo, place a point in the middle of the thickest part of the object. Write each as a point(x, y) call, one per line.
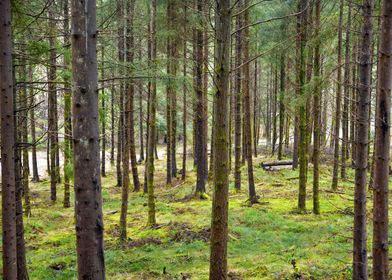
point(52, 96)
point(237, 102)
point(152, 117)
point(184, 116)
point(338, 102)
point(316, 113)
point(68, 164)
point(88, 205)
point(8, 193)
point(33, 136)
point(103, 115)
point(247, 119)
point(346, 98)
point(382, 153)
point(219, 220)
point(302, 152)
point(362, 142)
point(200, 137)
point(130, 98)
point(281, 106)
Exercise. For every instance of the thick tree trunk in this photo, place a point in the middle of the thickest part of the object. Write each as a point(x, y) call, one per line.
point(8, 193)
point(362, 142)
point(219, 220)
point(382, 152)
point(336, 139)
point(88, 200)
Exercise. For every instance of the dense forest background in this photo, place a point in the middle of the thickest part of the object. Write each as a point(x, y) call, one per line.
point(195, 139)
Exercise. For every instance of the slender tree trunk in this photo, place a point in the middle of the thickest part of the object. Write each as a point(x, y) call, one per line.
point(247, 119)
point(32, 127)
point(303, 152)
point(103, 108)
point(152, 118)
point(281, 106)
point(88, 206)
point(338, 102)
point(130, 98)
point(112, 128)
point(68, 164)
point(362, 142)
point(200, 136)
point(382, 153)
point(8, 193)
point(184, 116)
point(52, 96)
point(237, 102)
point(346, 96)
point(316, 113)
point(219, 220)
point(256, 116)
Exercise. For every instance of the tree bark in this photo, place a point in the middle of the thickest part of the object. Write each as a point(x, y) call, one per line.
point(281, 106)
point(316, 112)
point(338, 102)
point(382, 153)
point(362, 142)
point(88, 200)
point(152, 117)
point(7, 145)
point(219, 220)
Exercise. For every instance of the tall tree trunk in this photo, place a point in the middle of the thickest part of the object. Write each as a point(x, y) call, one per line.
point(382, 153)
point(32, 131)
point(338, 102)
point(152, 117)
point(8, 193)
point(247, 119)
point(52, 96)
point(141, 120)
point(346, 98)
point(316, 112)
point(281, 105)
point(302, 152)
point(112, 128)
point(130, 96)
point(88, 205)
point(256, 111)
point(200, 136)
point(362, 142)
point(103, 115)
point(219, 220)
point(237, 102)
point(68, 164)
point(184, 116)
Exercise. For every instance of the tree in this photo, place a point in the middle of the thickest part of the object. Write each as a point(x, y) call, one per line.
point(247, 119)
point(336, 139)
point(219, 220)
point(302, 152)
point(88, 201)
point(316, 112)
point(361, 144)
point(200, 114)
point(152, 117)
point(7, 145)
point(382, 154)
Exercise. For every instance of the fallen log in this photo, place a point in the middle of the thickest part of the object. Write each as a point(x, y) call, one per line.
point(270, 165)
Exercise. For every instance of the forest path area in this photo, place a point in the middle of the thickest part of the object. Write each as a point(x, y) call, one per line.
point(269, 240)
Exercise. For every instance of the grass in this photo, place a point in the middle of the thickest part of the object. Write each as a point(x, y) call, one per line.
point(269, 240)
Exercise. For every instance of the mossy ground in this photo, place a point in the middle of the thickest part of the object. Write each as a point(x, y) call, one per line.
point(269, 240)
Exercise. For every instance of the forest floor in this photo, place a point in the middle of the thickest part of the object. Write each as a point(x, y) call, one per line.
point(270, 240)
